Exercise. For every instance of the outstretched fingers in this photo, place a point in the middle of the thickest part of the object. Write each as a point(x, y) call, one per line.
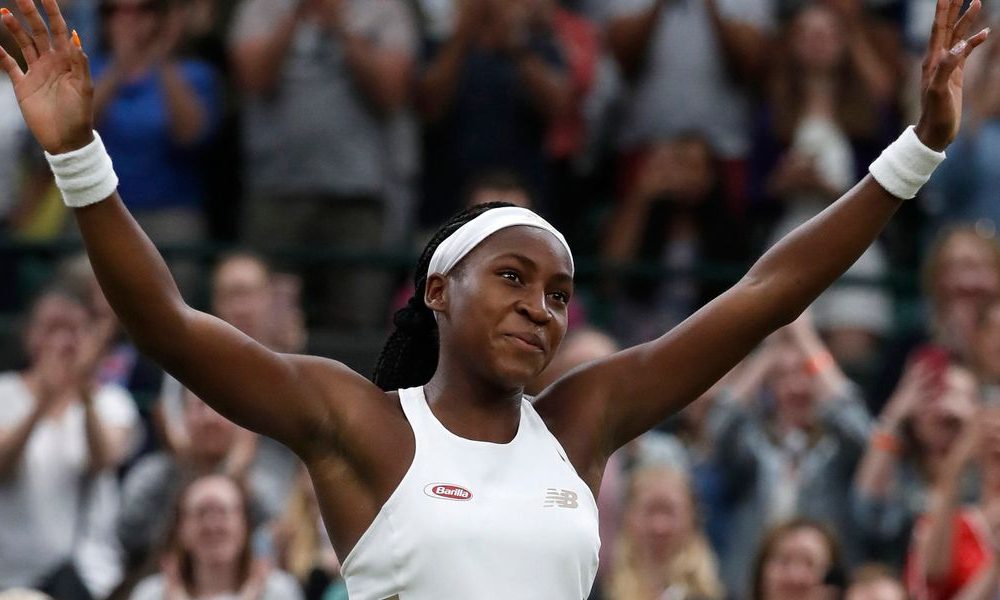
point(22, 38)
point(60, 33)
point(954, 10)
point(39, 32)
point(956, 57)
point(961, 29)
point(10, 66)
point(939, 33)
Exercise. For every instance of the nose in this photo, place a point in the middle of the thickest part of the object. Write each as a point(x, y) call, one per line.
point(532, 305)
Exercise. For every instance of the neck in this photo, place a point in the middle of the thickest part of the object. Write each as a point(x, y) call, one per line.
point(213, 579)
point(472, 407)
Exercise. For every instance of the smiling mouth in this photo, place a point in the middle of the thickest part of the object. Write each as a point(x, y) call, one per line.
point(526, 342)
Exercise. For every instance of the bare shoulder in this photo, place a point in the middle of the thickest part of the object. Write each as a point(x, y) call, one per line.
point(354, 407)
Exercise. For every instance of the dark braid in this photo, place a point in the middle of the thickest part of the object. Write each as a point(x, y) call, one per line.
point(409, 358)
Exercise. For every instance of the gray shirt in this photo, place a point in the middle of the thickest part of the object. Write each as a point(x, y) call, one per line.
point(684, 86)
point(315, 132)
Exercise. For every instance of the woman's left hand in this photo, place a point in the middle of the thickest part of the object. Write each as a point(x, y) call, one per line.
point(944, 63)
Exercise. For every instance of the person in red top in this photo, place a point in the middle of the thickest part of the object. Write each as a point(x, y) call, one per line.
point(952, 545)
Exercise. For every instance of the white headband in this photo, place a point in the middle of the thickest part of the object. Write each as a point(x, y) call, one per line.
point(468, 236)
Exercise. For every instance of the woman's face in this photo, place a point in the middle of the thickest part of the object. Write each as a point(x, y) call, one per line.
point(968, 276)
point(797, 565)
point(213, 528)
point(57, 325)
point(660, 518)
point(817, 40)
point(502, 311)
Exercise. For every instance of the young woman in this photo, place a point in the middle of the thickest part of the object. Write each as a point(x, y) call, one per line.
point(793, 561)
point(426, 490)
point(210, 557)
point(662, 553)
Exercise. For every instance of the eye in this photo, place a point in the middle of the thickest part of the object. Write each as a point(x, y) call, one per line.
point(511, 276)
point(560, 297)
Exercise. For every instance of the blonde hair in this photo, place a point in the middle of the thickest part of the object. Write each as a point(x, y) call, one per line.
point(692, 568)
point(304, 545)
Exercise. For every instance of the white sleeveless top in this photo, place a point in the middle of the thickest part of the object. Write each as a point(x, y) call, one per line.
point(476, 520)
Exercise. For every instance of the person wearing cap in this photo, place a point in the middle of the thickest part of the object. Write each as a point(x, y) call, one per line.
point(440, 479)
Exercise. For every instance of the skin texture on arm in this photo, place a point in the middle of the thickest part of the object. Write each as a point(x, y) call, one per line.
point(620, 397)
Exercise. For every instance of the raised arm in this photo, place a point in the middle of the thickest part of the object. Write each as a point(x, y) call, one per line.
point(634, 390)
point(280, 396)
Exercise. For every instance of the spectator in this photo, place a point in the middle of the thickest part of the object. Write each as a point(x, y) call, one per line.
point(875, 582)
point(794, 561)
point(716, 48)
point(489, 93)
point(796, 459)
point(907, 452)
point(210, 553)
point(265, 306)
point(155, 111)
point(673, 218)
point(322, 81)
point(302, 546)
point(953, 545)
point(830, 96)
point(211, 444)
point(961, 276)
point(61, 438)
point(662, 552)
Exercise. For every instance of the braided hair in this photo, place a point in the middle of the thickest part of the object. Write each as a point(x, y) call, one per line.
point(410, 356)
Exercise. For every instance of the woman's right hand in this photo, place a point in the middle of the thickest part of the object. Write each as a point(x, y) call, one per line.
point(56, 92)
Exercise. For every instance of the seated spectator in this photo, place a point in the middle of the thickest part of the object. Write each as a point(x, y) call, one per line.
point(907, 452)
point(212, 444)
point(794, 561)
point(488, 93)
point(953, 545)
point(789, 432)
point(875, 582)
point(302, 546)
point(662, 552)
point(62, 436)
point(322, 83)
point(155, 110)
point(209, 556)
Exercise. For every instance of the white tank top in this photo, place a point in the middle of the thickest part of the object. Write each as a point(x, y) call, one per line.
point(478, 520)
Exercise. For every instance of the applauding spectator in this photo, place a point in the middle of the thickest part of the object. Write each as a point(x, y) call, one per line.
point(488, 94)
point(60, 435)
point(796, 459)
point(210, 555)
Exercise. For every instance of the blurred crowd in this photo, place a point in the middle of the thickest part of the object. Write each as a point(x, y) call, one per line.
point(855, 454)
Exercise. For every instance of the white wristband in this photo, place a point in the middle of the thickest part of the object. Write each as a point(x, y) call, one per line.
point(906, 165)
point(84, 176)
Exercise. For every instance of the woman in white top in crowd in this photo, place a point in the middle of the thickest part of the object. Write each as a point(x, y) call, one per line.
point(456, 486)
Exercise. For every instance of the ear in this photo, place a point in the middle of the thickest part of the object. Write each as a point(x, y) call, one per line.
point(436, 293)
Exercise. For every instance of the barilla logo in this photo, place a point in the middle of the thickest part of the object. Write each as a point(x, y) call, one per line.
point(447, 491)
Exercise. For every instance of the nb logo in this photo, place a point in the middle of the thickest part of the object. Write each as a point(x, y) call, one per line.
point(560, 499)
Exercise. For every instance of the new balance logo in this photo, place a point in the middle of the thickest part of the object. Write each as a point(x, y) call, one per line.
point(560, 499)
